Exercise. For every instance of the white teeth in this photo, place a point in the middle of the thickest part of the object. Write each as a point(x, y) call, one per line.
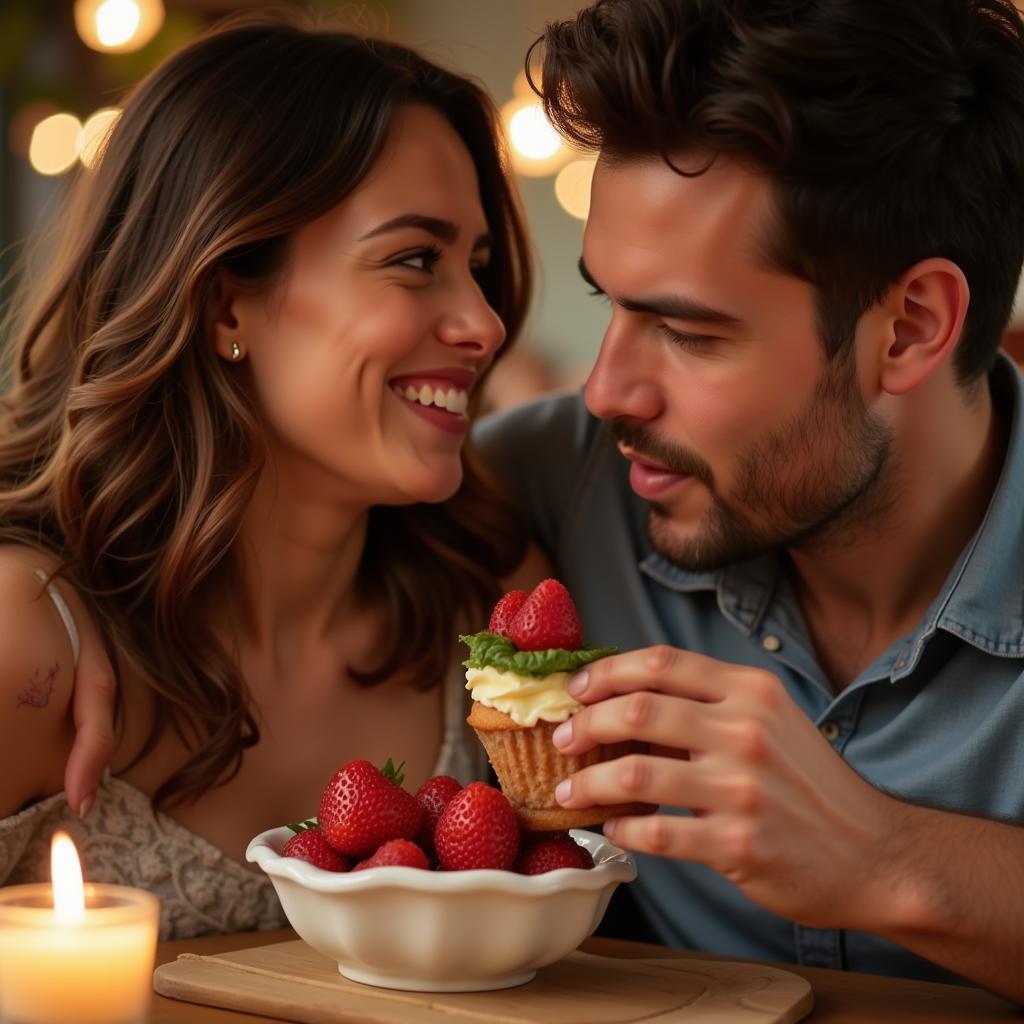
point(454, 400)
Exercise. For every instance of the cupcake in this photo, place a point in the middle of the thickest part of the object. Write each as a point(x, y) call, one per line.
point(517, 673)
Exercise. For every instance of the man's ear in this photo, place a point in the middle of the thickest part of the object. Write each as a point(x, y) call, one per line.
point(926, 307)
point(222, 326)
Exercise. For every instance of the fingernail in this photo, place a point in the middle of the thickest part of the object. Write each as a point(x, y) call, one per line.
point(86, 805)
point(563, 734)
point(609, 827)
point(578, 684)
point(563, 790)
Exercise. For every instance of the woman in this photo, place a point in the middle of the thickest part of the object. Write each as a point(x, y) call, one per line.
point(232, 454)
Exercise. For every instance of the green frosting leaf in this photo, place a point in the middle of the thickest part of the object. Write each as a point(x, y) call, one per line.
point(490, 650)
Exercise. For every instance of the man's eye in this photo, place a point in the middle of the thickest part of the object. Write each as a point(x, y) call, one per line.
point(422, 259)
point(679, 338)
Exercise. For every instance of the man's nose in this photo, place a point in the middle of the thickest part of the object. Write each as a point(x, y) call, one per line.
point(621, 384)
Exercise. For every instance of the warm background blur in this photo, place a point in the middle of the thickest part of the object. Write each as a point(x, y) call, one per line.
point(62, 61)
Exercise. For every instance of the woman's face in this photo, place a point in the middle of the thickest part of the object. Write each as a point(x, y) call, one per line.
point(363, 359)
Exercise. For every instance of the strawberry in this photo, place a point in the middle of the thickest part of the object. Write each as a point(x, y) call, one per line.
point(362, 808)
point(395, 853)
point(310, 845)
point(478, 829)
point(530, 838)
point(553, 852)
point(433, 797)
point(505, 611)
point(547, 619)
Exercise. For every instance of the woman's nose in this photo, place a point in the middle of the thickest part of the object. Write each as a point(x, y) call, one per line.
point(471, 322)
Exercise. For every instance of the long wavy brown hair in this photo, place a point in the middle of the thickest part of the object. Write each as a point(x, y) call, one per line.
point(129, 451)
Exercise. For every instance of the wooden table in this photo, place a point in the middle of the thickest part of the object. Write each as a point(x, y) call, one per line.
point(839, 997)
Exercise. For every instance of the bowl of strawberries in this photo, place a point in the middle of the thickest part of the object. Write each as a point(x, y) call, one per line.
point(439, 890)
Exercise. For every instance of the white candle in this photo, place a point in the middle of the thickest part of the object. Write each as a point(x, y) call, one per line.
point(74, 954)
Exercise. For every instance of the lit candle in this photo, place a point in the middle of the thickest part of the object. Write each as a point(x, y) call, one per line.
point(74, 953)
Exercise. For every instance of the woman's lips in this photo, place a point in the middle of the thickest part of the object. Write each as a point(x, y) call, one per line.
point(444, 409)
point(652, 482)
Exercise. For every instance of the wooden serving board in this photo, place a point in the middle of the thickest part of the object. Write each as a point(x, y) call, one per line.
point(291, 981)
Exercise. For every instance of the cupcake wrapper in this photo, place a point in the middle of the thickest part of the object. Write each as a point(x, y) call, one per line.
point(529, 766)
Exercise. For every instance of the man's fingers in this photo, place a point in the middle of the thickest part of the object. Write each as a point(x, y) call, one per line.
point(644, 716)
point(664, 669)
point(664, 835)
point(637, 778)
point(93, 714)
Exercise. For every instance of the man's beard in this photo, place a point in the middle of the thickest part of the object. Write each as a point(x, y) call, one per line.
point(790, 489)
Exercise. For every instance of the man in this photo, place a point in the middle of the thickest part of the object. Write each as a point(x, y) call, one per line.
point(802, 512)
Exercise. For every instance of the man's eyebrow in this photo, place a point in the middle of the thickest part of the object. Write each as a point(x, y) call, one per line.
point(443, 230)
point(671, 307)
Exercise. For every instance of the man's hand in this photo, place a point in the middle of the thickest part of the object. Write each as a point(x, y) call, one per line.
point(92, 709)
point(775, 809)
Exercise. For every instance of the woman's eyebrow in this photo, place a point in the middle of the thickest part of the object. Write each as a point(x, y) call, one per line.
point(443, 230)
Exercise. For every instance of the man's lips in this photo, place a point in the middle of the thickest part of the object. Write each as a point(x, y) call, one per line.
point(649, 480)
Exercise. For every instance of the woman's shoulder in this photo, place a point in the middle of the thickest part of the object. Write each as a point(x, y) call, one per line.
point(36, 675)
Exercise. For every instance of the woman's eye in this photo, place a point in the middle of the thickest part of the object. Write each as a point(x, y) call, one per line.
point(422, 259)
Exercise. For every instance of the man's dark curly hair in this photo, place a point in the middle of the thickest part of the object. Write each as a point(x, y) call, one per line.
point(892, 132)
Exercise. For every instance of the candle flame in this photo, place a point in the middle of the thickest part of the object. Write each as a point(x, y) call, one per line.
point(66, 872)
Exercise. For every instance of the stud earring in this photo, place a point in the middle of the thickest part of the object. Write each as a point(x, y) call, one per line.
point(236, 351)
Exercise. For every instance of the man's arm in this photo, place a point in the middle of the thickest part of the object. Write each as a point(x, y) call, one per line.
point(780, 814)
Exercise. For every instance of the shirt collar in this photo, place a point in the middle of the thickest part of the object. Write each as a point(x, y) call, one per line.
point(982, 601)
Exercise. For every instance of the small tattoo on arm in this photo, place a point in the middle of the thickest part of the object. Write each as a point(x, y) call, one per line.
point(40, 688)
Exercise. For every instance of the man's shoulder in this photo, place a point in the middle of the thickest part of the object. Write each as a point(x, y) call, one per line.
point(559, 421)
point(545, 455)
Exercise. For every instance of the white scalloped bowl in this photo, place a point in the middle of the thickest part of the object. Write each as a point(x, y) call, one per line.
point(443, 931)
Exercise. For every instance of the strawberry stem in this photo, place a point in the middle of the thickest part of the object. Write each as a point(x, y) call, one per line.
point(303, 826)
point(389, 771)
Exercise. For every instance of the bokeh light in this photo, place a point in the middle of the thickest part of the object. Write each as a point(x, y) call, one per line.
point(572, 187)
point(94, 134)
point(54, 145)
point(536, 148)
point(118, 26)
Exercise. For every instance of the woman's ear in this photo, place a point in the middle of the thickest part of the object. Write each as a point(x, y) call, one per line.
point(927, 309)
point(222, 325)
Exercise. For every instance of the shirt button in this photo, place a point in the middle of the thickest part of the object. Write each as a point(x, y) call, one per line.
point(830, 731)
point(771, 643)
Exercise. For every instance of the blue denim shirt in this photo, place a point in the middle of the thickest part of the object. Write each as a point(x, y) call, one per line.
point(937, 719)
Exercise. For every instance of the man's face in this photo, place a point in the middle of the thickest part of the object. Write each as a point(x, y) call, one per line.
point(741, 435)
